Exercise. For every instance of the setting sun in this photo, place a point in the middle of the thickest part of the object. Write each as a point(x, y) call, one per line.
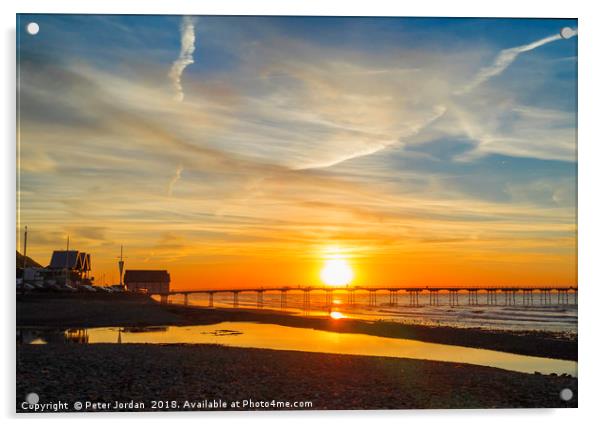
point(336, 272)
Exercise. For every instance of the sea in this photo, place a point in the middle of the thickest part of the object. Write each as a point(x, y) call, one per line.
point(525, 314)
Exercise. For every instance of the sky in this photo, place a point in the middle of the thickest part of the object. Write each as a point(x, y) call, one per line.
point(249, 151)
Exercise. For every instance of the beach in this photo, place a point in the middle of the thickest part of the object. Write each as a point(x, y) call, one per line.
point(204, 373)
point(144, 373)
point(90, 310)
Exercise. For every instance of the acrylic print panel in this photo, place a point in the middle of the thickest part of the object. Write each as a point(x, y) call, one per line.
point(313, 212)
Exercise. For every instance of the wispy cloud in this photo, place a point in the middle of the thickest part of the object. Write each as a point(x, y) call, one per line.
point(297, 144)
point(175, 178)
point(187, 47)
point(507, 56)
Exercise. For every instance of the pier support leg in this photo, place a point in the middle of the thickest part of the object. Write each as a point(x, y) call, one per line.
point(234, 299)
point(414, 301)
point(510, 297)
point(392, 298)
point(210, 299)
point(185, 299)
point(372, 298)
point(434, 297)
point(328, 297)
point(473, 299)
point(164, 299)
point(283, 299)
point(563, 296)
point(453, 298)
point(306, 302)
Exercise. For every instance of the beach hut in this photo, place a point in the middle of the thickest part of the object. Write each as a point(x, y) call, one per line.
point(148, 281)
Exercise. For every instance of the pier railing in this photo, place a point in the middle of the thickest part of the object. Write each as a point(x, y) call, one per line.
point(481, 295)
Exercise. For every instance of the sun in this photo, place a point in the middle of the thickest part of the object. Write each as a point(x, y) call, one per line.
point(336, 272)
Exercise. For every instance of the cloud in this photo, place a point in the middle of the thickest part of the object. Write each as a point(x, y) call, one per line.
point(303, 151)
point(185, 59)
point(507, 56)
point(174, 179)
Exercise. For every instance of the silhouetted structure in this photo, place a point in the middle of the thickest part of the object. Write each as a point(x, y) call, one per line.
point(414, 293)
point(149, 281)
point(76, 263)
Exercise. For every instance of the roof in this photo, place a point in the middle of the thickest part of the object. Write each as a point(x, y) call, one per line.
point(30, 262)
point(73, 260)
point(132, 276)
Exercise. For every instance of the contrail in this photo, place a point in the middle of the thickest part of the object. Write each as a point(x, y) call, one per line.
point(507, 57)
point(174, 179)
point(185, 58)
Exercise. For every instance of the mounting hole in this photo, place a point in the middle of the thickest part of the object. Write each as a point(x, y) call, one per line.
point(33, 28)
point(567, 33)
point(566, 394)
point(32, 398)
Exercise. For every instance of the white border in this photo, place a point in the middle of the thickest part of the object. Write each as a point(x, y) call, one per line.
point(590, 213)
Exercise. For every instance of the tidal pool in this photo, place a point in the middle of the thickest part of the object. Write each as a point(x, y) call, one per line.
point(276, 337)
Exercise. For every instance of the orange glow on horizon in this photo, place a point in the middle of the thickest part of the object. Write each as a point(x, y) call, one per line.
point(302, 164)
point(314, 264)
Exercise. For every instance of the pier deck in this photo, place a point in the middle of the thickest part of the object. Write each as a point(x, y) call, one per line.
point(508, 295)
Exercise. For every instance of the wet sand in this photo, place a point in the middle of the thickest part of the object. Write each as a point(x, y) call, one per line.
point(141, 373)
point(96, 310)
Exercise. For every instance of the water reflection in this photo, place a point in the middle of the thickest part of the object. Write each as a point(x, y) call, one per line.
point(222, 332)
point(77, 336)
point(52, 336)
point(247, 334)
point(74, 335)
point(142, 329)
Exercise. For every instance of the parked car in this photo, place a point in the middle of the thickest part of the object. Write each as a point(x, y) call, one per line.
point(87, 288)
point(68, 288)
point(28, 287)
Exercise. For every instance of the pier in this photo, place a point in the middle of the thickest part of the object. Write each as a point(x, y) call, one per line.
point(483, 295)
